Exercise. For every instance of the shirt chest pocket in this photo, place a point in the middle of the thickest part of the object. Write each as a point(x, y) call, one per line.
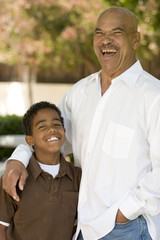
point(118, 140)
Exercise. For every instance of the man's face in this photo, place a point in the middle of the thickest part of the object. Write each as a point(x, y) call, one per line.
point(115, 41)
point(48, 134)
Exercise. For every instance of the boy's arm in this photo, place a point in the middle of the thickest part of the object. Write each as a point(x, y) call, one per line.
point(3, 232)
point(15, 170)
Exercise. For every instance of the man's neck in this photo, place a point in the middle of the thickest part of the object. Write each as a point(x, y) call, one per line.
point(106, 77)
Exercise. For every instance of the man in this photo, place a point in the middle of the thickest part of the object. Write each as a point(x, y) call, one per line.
point(113, 124)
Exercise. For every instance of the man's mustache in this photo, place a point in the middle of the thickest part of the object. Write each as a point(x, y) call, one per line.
point(108, 47)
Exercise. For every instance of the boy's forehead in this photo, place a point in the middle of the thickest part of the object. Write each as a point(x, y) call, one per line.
point(46, 113)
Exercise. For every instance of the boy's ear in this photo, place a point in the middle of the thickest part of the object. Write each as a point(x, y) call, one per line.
point(29, 140)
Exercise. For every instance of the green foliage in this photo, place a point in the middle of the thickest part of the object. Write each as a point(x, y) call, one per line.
point(5, 153)
point(51, 19)
point(10, 124)
point(71, 158)
point(59, 34)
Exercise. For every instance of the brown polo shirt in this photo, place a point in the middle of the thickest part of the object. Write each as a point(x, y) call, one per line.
point(48, 206)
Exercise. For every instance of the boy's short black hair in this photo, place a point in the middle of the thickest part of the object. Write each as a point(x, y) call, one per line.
point(32, 111)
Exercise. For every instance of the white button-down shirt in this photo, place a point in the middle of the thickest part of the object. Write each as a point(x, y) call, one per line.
point(115, 139)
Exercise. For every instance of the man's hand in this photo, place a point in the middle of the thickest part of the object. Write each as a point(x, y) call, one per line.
point(14, 172)
point(120, 218)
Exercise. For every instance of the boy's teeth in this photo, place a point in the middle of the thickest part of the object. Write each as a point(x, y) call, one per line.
point(52, 139)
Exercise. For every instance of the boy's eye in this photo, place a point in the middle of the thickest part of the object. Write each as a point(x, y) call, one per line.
point(57, 125)
point(42, 126)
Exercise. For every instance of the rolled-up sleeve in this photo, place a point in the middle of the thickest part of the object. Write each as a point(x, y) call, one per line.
point(22, 153)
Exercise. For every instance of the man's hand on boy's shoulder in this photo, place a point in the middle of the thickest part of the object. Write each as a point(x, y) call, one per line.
point(15, 173)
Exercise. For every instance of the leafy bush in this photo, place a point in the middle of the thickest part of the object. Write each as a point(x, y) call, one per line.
point(9, 124)
point(5, 153)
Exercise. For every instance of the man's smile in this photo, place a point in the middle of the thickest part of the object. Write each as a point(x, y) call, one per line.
point(108, 50)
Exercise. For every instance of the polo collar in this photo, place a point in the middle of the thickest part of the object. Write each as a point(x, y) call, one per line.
point(65, 169)
point(36, 170)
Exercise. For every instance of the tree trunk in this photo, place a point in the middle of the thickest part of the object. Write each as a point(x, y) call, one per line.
point(29, 77)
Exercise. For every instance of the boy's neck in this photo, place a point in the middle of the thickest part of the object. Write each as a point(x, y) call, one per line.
point(49, 159)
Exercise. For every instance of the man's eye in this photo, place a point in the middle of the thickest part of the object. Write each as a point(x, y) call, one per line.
point(98, 33)
point(117, 33)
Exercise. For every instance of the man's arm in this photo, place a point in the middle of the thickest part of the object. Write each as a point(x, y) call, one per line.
point(145, 198)
point(15, 170)
point(3, 232)
point(64, 106)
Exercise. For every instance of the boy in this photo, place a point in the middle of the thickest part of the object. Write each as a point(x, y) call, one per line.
point(48, 204)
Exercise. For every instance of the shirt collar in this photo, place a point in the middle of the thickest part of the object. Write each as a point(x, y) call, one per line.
point(93, 77)
point(36, 170)
point(131, 75)
point(65, 169)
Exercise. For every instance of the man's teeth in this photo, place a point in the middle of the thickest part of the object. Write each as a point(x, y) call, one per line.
point(108, 50)
point(52, 139)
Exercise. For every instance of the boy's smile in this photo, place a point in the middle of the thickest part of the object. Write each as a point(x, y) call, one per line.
point(52, 139)
point(48, 136)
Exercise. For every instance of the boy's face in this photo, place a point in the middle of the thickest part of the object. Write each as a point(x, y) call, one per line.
point(48, 134)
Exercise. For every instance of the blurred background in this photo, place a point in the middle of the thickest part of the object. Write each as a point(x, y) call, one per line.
point(46, 46)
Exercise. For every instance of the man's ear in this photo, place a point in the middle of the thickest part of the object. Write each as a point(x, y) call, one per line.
point(136, 40)
point(29, 140)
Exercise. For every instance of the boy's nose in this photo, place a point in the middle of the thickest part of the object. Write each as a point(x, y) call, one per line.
point(52, 129)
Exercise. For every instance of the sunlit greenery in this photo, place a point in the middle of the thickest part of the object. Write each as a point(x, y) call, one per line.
point(59, 33)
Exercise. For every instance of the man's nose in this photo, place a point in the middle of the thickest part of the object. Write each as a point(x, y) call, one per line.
point(107, 38)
